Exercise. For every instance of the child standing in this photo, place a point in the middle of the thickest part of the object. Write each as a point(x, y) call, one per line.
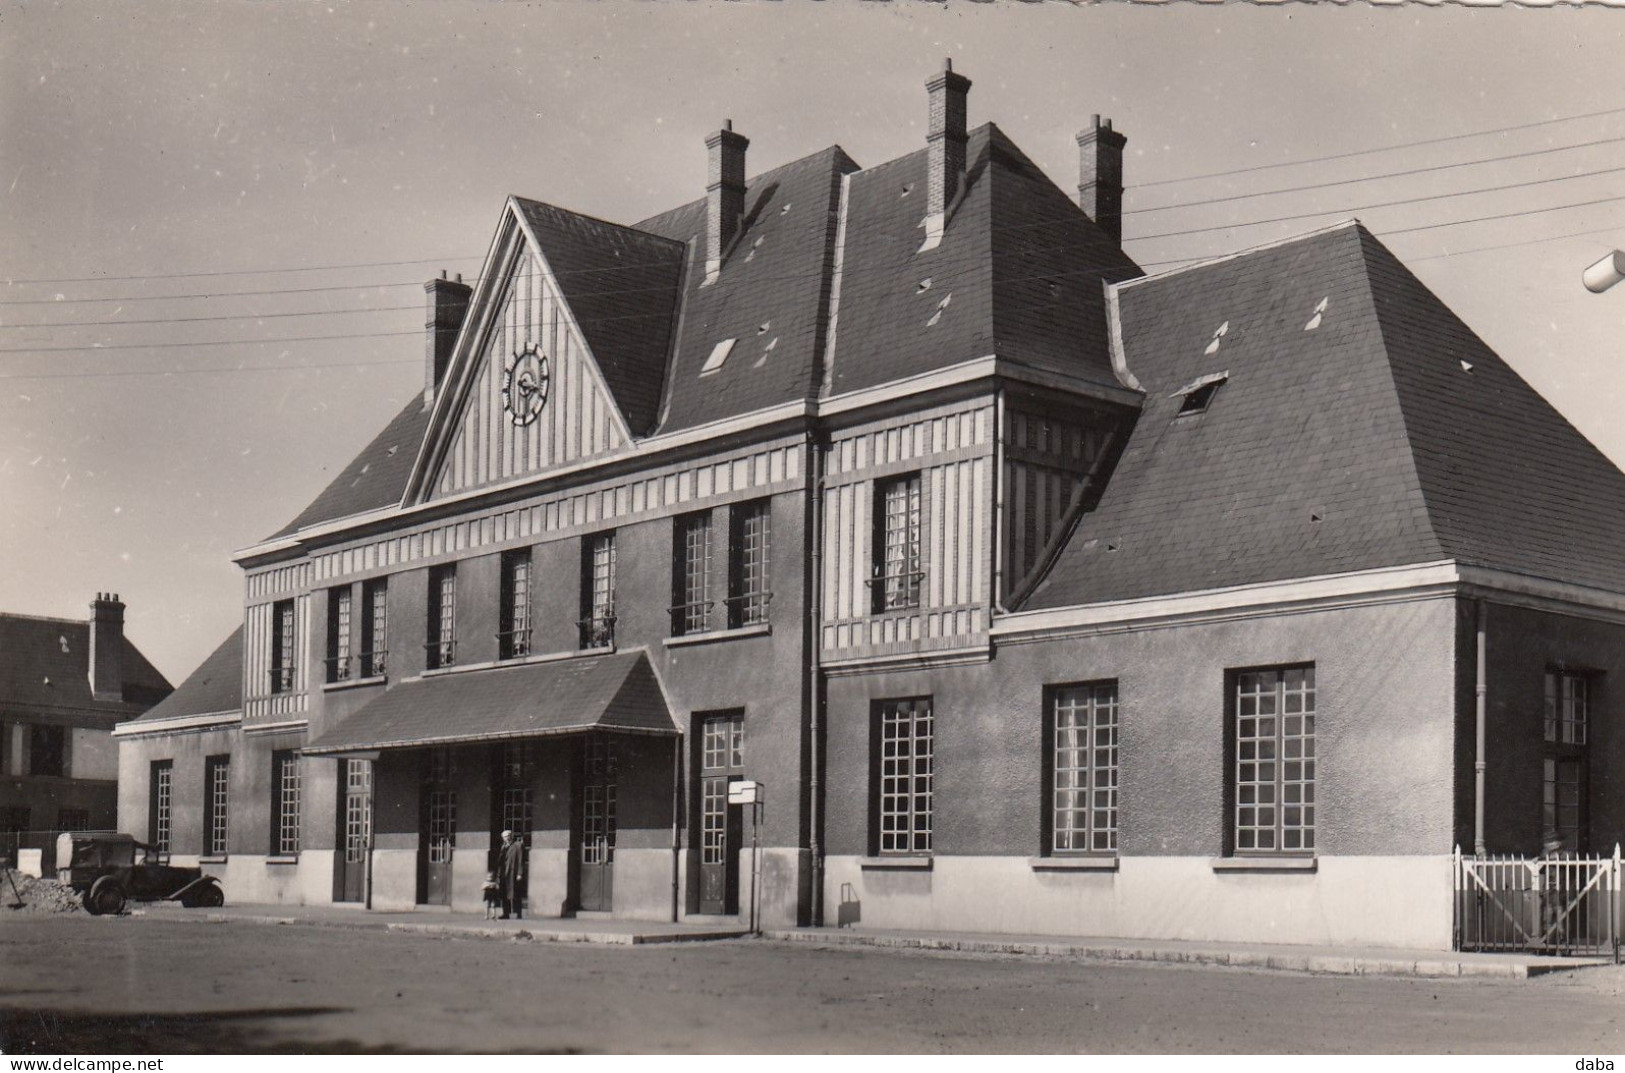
point(493, 896)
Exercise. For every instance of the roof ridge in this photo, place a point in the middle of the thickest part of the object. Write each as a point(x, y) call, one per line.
point(598, 220)
point(1246, 251)
point(43, 618)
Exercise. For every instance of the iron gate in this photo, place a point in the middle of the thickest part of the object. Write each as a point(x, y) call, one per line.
point(1563, 905)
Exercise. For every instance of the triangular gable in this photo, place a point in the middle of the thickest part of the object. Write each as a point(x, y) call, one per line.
point(486, 427)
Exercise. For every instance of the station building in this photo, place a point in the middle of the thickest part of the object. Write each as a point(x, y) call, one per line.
point(1037, 593)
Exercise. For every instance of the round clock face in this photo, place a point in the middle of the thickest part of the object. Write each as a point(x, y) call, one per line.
point(524, 385)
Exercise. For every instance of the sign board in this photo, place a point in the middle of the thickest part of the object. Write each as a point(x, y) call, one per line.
point(743, 793)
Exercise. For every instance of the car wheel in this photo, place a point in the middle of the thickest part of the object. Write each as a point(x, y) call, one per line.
point(106, 897)
point(210, 897)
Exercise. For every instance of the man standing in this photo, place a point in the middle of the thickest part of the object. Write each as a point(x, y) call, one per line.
point(511, 874)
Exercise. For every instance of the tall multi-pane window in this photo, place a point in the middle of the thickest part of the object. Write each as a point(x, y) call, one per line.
point(1274, 746)
point(357, 809)
point(374, 627)
point(897, 572)
point(598, 591)
point(282, 646)
point(903, 775)
point(285, 792)
point(338, 634)
point(1083, 757)
point(442, 644)
point(160, 826)
point(216, 805)
point(514, 639)
point(1564, 766)
point(518, 795)
point(73, 819)
point(691, 574)
point(748, 542)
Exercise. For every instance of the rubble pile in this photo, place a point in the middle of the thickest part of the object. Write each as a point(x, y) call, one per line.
point(38, 895)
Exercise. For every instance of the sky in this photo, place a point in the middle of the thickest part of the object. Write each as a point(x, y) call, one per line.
point(173, 162)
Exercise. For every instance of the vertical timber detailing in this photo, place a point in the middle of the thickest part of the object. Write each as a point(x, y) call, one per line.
point(1481, 694)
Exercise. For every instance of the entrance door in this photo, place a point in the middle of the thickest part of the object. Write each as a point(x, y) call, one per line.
point(438, 833)
point(722, 761)
point(356, 833)
point(597, 876)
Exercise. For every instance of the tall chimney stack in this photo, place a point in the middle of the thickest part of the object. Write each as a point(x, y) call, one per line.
point(107, 647)
point(1100, 176)
point(945, 140)
point(448, 305)
point(724, 195)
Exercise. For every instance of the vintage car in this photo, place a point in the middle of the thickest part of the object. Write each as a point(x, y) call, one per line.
point(107, 868)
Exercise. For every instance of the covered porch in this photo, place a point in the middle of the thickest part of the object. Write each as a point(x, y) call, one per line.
point(578, 757)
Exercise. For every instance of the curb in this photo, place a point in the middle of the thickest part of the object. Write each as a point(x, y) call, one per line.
point(1311, 964)
point(453, 931)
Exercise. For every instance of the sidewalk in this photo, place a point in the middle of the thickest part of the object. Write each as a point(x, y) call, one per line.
point(1343, 961)
point(450, 925)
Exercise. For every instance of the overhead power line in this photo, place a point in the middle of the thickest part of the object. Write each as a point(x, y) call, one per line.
point(247, 271)
point(217, 294)
point(225, 316)
point(207, 372)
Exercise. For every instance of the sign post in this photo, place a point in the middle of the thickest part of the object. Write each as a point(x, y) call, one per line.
point(750, 793)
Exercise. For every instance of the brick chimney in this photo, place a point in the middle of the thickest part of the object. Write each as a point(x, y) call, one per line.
point(1100, 176)
point(945, 142)
point(107, 647)
point(448, 305)
point(724, 195)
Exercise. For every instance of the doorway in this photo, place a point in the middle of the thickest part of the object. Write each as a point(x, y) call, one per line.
point(437, 839)
point(596, 841)
point(722, 761)
point(355, 833)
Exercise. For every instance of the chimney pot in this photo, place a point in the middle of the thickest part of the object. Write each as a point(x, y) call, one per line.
point(1100, 176)
point(106, 670)
point(724, 195)
point(447, 306)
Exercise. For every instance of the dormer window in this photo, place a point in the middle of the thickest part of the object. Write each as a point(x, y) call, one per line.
point(1197, 396)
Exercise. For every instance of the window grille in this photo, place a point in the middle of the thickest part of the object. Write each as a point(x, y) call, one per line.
point(442, 646)
point(285, 789)
point(162, 774)
point(216, 803)
point(338, 634)
point(1275, 761)
point(748, 578)
point(723, 742)
point(73, 819)
point(374, 627)
point(1084, 817)
point(598, 827)
point(896, 584)
point(357, 809)
point(442, 825)
point(691, 576)
point(514, 639)
point(1567, 714)
point(722, 756)
point(282, 647)
point(597, 622)
point(905, 776)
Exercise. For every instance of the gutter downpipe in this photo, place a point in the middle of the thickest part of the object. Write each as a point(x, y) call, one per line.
point(1481, 692)
point(815, 615)
point(676, 821)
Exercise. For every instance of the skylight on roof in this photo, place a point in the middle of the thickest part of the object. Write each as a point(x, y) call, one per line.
point(1197, 395)
point(719, 354)
point(923, 286)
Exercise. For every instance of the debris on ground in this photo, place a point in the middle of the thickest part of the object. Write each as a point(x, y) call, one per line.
point(38, 895)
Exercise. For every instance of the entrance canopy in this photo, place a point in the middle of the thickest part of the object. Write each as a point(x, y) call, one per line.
point(617, 693)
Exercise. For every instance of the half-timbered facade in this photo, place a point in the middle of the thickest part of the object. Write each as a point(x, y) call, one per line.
point(1036, 593)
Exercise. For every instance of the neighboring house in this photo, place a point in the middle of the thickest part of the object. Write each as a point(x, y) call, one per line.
point(63, 686)
point(1038, 593)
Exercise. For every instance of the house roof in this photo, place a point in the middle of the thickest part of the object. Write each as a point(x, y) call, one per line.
point(1346, 435)
point(375, 478)
point(614, 692)
point(45, 663)
point(216, 686)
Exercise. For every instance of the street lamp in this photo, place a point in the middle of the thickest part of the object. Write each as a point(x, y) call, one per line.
point(1605, 273)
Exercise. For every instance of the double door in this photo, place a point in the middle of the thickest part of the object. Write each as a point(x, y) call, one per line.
point(722, 762)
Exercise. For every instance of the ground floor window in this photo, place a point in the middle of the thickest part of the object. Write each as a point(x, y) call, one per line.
point(903, 772)
point(73, 819)
point(216, 814)
point(158, 825)
point(285, 792)
point(1273, 744)
point(1083, 761)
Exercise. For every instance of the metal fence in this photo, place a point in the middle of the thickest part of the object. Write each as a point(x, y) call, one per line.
point(1559, 905)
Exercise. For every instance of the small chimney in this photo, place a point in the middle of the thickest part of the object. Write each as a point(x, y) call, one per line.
point(945, 140)
point(724, 195)
point(1100, 176)
point(448, 305)
point(107, 647)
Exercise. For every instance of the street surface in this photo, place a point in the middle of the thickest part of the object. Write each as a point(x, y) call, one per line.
point(78, 984)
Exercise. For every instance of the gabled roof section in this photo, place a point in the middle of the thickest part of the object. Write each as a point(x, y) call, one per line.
point(45, 663)
point(1018, 273)
point(622, 286)
point(215, 687)
point(771, 297)
point(375, 478)
point(1301, 465)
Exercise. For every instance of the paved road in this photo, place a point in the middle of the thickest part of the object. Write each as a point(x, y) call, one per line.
point(85, 985)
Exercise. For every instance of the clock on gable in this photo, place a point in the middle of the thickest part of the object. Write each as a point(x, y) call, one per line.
point(524, 385)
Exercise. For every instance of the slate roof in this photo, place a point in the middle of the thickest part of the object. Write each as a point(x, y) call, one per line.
point(1357, 443)
point(613, 692)
point(216, 686)
point(376, 477)
point(621, 286)
point(44, 663)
